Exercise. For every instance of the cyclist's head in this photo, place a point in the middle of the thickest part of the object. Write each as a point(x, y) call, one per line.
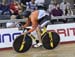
point(27, 14)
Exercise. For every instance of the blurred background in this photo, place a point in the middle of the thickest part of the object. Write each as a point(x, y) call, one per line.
point(13, 9)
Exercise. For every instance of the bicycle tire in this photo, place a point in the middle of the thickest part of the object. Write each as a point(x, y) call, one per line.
point(46, 40)
point(18, 42)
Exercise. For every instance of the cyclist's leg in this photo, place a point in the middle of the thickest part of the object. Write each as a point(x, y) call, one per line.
point(38, 34)
point(34, 33)
point(38, 37)
point(43, 23)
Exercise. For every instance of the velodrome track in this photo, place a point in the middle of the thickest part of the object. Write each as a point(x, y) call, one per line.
point(63, 50)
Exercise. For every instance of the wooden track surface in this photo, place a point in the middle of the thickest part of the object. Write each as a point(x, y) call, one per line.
point(63, 50)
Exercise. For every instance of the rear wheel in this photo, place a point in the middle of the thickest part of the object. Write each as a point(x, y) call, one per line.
point(50, 40)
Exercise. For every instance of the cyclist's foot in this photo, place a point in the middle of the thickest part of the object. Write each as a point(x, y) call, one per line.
point(38, 45)
point(35, 42)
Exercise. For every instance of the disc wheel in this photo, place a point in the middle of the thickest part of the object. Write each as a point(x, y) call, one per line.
point(21, 46)
point(50, 40)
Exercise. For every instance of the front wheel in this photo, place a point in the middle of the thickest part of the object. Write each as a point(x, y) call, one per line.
point(50, 40)
point(22, 44)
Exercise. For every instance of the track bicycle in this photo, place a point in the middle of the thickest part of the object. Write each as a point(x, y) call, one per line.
point(23, 43)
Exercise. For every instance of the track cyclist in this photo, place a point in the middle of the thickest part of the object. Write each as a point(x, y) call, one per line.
point(37, 19)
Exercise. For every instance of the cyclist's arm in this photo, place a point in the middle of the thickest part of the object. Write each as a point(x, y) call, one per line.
point(27, 23)
point(34, 21)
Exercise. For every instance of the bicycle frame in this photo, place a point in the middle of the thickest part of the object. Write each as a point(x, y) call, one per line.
point(33, 38)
